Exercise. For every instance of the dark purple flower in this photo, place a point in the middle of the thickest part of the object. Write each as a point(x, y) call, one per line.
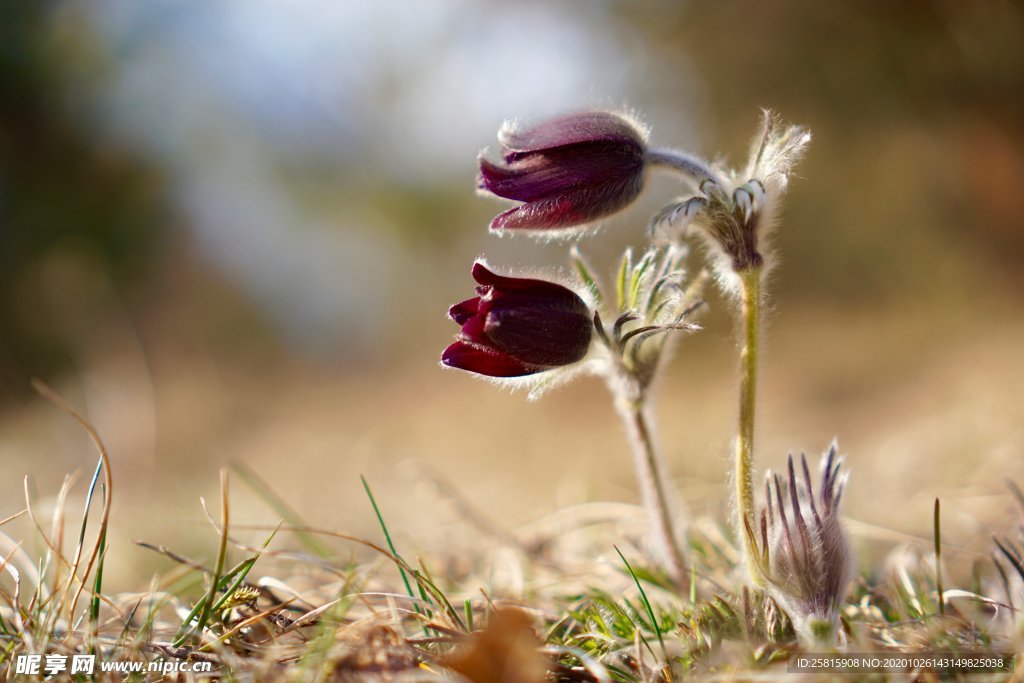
point(518, 326)
point(568, 171)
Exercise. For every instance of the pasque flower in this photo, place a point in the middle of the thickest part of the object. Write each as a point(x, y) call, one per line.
point(568, 171)
point(735, 211)
point(516, 327)
point(801, 548)
point(652, 300)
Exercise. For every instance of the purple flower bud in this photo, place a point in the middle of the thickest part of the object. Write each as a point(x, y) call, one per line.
point(518, 326)
point(568, 171)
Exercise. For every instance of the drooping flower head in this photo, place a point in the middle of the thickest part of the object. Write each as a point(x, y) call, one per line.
point(517, 327)
point(802, 550)
point(735, 209)
point(567, 171)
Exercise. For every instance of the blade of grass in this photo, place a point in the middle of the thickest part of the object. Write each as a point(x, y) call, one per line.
point(15, 599)
point(240, 572)
point(259, 616)
point(1008, 550)
point(387, 536)
point(647, 604)
point(391, 547)
point(122, 637)
point(108, 491)
point(418, 578)
point(194, 612)
point(312, 660)
point(55, 544)
point(1005, 581)
point(88, 502)
point(263, 490)
point(207, 602)
point(97, 590)
point(425, 580)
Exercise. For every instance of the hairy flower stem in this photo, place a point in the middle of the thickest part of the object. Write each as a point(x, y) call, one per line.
point(751, 318)
point(688, 164)
point(658, 502)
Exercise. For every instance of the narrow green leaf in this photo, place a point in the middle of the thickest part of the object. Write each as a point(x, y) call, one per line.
point(204, 606)
point(647, 603)
point(97, 588)
point(391, 547)
point(387, 536)
point(586, 274)
point(263, 490)
point(622, 281)
point(637, 278)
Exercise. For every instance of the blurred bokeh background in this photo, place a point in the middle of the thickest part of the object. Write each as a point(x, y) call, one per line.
point(230, 231)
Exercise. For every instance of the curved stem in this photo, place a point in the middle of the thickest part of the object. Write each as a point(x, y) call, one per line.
point(658, 503)
point(689, 164)
point(751, 314)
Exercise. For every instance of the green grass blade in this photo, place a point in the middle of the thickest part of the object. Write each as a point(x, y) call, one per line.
point(387, 537)
point(426, 581)
point(97, 589)
point(238, 573)
point(647, 604)
point(263, 490)
point(206, 605)
point(88, 501)
point(391, 547)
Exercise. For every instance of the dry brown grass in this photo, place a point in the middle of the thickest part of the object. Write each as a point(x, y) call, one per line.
point(485, 518)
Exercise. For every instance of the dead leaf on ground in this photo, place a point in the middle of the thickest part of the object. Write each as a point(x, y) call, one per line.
point(507, 651)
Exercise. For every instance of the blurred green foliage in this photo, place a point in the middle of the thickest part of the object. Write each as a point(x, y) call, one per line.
point(911, 189)
point(58, 186)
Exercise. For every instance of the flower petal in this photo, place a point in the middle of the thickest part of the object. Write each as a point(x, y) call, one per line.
point(534, 176)
point(525, 181)
point(500, 285)
point(548, 336)
point(571, 129)
point(464, 310)
point(473, 331)
point(472, 358)
point(571, 209)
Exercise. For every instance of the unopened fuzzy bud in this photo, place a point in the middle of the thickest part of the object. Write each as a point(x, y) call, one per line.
point(802, 550)
point(568, 171)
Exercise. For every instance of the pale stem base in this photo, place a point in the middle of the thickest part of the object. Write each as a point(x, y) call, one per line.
point(659, 503)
